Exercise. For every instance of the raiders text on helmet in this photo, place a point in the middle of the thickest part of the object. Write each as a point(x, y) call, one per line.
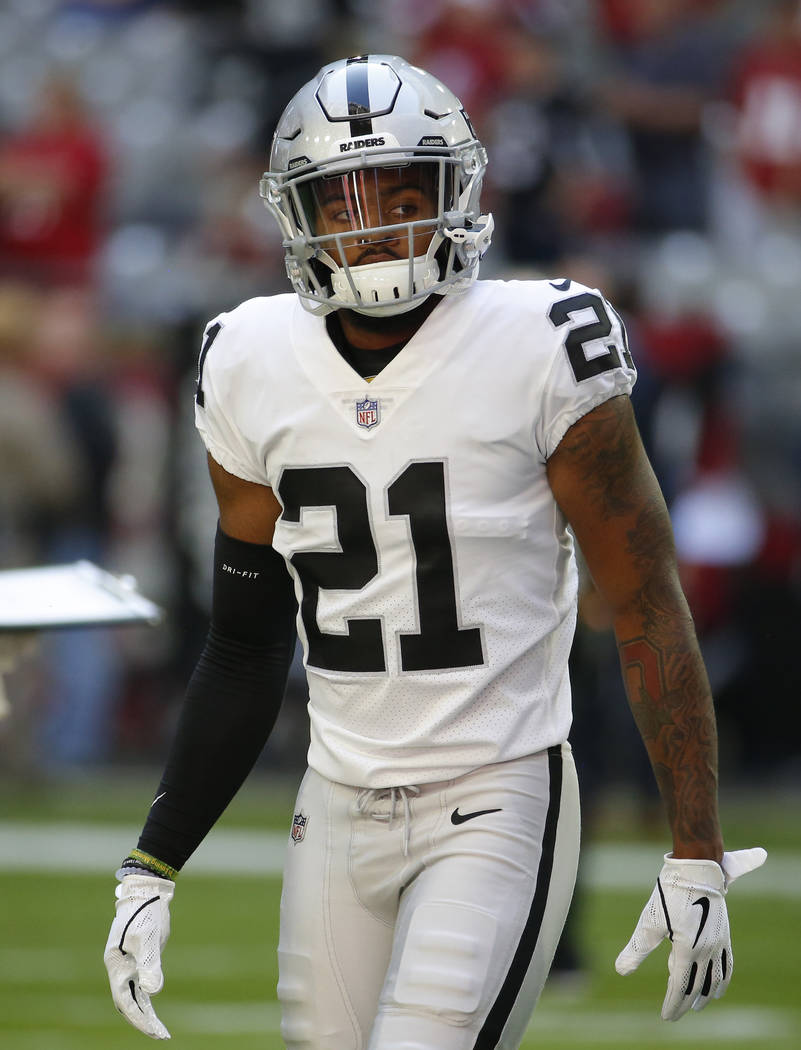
point(375, 175)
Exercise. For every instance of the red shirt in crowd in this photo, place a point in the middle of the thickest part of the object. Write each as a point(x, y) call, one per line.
point(767, 93)
point(51, 202)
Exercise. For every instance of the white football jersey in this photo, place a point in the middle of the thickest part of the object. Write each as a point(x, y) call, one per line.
point(434, 572)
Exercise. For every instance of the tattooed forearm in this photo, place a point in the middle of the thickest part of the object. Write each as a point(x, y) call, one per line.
point(667, 684)
point(669, 698)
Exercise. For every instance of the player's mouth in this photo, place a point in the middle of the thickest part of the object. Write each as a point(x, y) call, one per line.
point(376, 255)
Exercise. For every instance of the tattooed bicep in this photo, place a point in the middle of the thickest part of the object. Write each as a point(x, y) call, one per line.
point(601, 478)
point(597, 459)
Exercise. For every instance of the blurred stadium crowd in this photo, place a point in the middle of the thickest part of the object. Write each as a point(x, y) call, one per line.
point(651, 148)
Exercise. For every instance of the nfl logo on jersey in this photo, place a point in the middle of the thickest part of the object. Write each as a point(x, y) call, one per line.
point(367, 413)
point(298, 827)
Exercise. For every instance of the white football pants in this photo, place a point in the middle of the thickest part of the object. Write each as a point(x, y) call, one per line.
point(426, 919)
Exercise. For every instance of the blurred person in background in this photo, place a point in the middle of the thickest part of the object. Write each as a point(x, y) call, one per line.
point(740, 564)
point(466, 45)
point(766, 90)
point(43, 476)
point(227, 250)
point(558, 178)
point(760, 227)
point(82, 665)
point(148, 502)
point(43, 482)
point(667, 59)
point(53, 175)
point(690, 365)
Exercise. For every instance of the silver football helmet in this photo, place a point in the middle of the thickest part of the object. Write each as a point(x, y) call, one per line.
point(375, 175)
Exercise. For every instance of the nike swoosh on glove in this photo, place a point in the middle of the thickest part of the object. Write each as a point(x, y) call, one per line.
point(133, 950)
point(688, 906)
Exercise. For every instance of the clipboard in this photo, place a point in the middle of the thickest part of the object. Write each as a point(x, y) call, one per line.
point(80, 594)
point(52, 597)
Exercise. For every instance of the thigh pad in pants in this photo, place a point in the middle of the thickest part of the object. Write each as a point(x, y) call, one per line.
point(445, 959)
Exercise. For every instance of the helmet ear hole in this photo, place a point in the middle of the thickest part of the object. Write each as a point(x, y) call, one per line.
point(441, 258)
point(322, 273)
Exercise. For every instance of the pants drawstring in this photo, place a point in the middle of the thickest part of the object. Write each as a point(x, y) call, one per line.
point(368, 802)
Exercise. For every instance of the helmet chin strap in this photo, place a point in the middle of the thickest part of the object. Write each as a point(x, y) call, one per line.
point(390, 311)
point(475, 239)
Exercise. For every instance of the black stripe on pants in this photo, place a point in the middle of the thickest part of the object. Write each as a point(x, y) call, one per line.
point(492, 1029)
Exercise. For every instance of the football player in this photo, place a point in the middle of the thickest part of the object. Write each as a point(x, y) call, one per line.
point(402, 455)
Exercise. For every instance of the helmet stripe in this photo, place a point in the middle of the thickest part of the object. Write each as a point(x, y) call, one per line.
point(358, 89)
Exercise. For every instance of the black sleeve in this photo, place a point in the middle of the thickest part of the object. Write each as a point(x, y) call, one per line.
point(232, 700)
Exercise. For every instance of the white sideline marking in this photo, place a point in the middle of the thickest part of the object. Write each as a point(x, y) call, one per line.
point(237, 853)
point(100, 848)
point(66, 966)
point(628, 866)
point(728, 1024)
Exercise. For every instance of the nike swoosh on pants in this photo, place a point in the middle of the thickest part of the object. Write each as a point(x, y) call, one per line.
point(460, 818)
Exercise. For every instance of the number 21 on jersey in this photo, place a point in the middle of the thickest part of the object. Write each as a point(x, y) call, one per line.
point(419, 494)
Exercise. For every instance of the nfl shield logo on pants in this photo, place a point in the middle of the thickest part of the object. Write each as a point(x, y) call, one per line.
point(298, 827)
point(367, 413)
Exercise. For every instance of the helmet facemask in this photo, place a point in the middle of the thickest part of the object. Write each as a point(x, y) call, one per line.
point(374, 228)
point(377, 237)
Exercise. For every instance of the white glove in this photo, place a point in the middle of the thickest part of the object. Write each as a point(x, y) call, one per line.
point(688, 906)
point(133, 951)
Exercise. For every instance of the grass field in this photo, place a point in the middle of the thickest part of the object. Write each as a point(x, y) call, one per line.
point(220, 962)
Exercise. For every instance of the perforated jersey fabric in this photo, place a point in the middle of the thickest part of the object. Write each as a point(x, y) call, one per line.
point(434, 571)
